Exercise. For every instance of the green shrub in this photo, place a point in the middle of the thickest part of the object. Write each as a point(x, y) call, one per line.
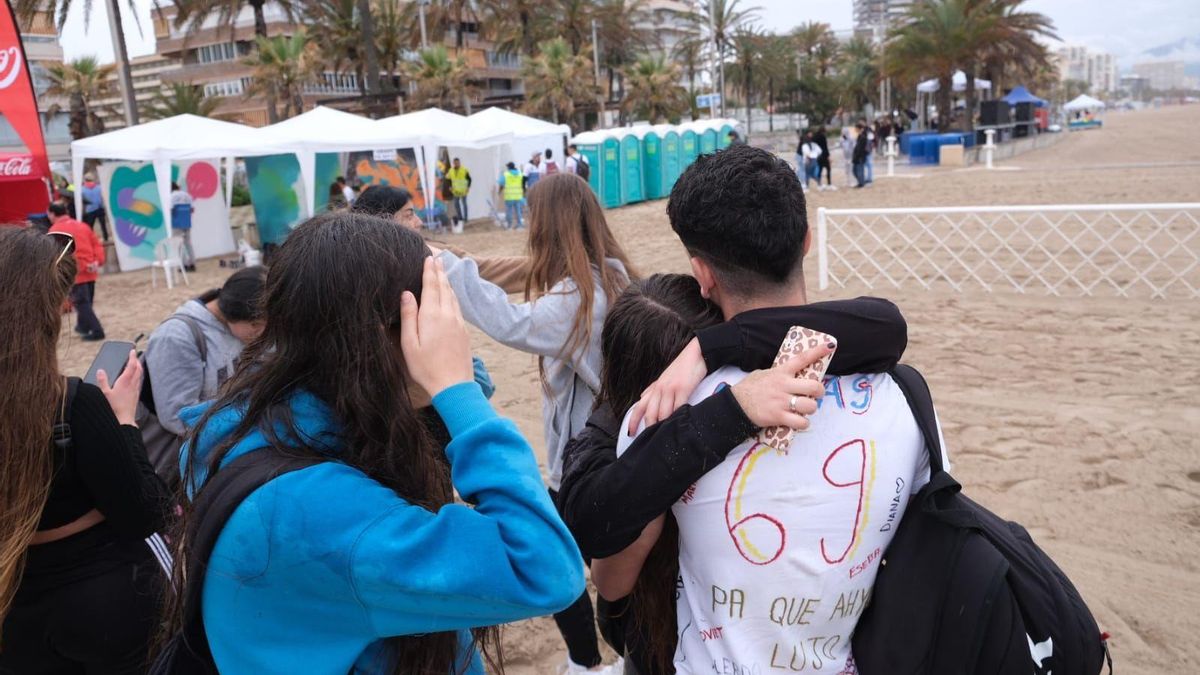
point(241, 195)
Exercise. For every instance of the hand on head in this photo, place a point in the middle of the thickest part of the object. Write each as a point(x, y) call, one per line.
point(433, 335)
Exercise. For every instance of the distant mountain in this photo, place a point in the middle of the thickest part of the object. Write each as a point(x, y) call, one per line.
point(1184, 49)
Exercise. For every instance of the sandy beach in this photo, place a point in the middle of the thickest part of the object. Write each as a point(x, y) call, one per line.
point(1078, 417)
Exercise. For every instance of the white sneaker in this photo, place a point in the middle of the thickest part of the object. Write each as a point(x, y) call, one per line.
point(831, 187)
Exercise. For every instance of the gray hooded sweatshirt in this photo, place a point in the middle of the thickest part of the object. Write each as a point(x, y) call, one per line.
point(177, 376)
point(541, 327)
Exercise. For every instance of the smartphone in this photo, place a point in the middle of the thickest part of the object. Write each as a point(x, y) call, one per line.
point(112, 358)
point(799, 340)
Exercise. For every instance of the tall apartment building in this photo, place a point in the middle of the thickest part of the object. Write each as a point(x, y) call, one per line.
point(873, 18)
point(147, 72)
point(42, 50)
point(1163, 75)
point(213, 58)
point(1098, 69)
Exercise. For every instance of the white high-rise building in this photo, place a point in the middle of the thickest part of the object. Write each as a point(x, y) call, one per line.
point(1163, 75)
point(872, 18)
point(1098, 69)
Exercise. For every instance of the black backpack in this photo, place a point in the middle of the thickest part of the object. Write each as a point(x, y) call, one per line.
point(582, 168)
point(187, 652)
point(962, 591)
point(162, 445)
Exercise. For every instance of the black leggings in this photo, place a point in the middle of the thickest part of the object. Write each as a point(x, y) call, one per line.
point(101, 625)
point(577, 625)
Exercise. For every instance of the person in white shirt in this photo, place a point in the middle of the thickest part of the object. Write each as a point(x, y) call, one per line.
point(573, 159)
point(533, 171)
point(778, 549)
point(347, 192)
point(812, 155)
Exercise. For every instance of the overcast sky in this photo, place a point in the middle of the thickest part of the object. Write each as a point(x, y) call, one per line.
point(1119, 26)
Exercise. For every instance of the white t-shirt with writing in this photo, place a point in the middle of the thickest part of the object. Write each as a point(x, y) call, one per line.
point(778, 551)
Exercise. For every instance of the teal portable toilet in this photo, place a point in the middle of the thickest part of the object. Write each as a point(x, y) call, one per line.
point(653, 163)
point(672, 166)
point(723, 134)
point(708, 141)
point(689, 147)
point(590, 145)
point(610, 160)
point(631, 167)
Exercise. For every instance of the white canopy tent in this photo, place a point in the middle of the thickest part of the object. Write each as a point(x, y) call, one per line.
point(1084, 102)
point(527, 135)
point(160, 142)
point(330, 130)
point(433, 128)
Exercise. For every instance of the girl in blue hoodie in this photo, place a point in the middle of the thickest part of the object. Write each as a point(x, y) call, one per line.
point(365, 563)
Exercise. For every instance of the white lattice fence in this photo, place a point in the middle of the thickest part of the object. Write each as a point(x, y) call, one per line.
point(1128, 250)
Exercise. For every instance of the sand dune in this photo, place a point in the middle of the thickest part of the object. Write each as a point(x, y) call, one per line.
point(1076, 416)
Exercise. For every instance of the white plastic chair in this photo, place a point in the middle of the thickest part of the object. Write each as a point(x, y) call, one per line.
point(168, 255)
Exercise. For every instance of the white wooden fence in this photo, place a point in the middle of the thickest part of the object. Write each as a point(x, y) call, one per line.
point(1126, 250)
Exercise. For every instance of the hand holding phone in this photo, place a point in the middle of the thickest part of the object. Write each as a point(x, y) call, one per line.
point(799, 339)
point(126, 389)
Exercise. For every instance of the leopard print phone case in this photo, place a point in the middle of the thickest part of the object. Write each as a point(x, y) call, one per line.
point(799, 339)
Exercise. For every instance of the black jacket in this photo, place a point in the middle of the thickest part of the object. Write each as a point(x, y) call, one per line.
point(861, 148)
point(606, 501)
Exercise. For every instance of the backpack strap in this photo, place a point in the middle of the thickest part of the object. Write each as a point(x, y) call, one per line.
point(218, 498)
point(920, 401)
point(197, 335)
point(62, 424)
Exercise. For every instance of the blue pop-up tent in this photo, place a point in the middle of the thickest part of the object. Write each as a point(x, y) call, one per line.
point(1020, 94)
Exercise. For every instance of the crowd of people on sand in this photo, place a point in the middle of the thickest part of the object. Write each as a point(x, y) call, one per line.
point(859, 143)
point(338, 494)
point(454, 183)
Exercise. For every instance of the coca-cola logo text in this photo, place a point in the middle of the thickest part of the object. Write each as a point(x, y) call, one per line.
point(10, 65)
point(16, 166)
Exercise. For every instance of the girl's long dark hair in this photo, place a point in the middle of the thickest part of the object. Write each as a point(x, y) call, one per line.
point(332, 308)
point(647, 327)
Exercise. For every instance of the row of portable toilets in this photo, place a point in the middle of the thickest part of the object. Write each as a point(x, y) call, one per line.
point(639, 163)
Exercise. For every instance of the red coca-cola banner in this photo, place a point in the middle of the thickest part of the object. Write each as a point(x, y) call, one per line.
point(17, 167)
point(18, 103)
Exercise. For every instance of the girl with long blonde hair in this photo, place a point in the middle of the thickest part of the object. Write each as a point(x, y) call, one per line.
point(576, 269)
point(78, 498)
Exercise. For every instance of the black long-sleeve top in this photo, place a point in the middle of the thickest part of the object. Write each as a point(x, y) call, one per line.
point(606, 501)
point(104, 469)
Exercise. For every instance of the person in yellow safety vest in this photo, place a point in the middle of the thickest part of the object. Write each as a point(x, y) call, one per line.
point(460, 184)
point(511, 185)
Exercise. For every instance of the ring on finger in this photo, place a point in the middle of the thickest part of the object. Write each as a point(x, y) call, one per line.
point(792, 403)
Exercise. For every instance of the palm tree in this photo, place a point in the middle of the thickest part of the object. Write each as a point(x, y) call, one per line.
point(573, 19)
point(817, 45)
point(390, 34)
point(26, 10)
point(81, 81)
point(1012, 41)
point(688, 53)
point(719, 19)
point(941, 36)
point(335, 25)
point(556, 79)
point(937, 37)
point(654, 92)
point(623, 36)
point(192, 14)
point(284, 65)
point(860, 71)
point(440, 79)
point(747, 45)
point(517, 26)
point(181, 99)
